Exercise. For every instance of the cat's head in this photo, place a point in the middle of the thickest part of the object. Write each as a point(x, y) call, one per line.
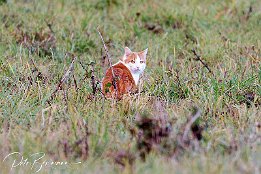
point(135, 61)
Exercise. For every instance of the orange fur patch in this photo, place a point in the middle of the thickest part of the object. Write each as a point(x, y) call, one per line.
point(123, 78)
point(131, 57)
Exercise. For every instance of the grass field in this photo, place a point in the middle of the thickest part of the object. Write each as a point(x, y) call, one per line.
point(149, 132)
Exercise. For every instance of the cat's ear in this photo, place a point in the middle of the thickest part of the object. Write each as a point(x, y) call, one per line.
point(143, 54)
point(127, 51)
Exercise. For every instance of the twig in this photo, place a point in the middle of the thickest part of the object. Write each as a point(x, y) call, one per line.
point(198, 58)
point(82, 65)
point(250, 10)
point(189, 124)
point(99, 89)
point(39, 74)
point(49, 25)
point(93, 79)
point(65, 98)
point(43, 119)
point(228, 94)
point(179, 83)
point(75, 83)
point(85, 75)
point(64, 79)
point(103, 59)
point(223, 37)
point(109, 59)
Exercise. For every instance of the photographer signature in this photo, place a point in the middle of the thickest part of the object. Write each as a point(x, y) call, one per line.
point(35, 161)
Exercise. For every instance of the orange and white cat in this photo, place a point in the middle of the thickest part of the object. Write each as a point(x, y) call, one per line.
point(127, 74)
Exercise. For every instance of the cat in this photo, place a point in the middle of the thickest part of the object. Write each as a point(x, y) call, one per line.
point(126, 72)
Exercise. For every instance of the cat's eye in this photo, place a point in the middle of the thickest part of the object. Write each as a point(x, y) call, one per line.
point(142, 61)
point(132, 61)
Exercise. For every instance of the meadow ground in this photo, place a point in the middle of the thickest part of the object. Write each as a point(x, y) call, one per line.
point(151, 131)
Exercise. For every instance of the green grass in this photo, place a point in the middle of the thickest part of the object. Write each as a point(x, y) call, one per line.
point(224, 33)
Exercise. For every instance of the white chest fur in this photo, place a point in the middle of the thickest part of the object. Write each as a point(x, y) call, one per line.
point(136, 77)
